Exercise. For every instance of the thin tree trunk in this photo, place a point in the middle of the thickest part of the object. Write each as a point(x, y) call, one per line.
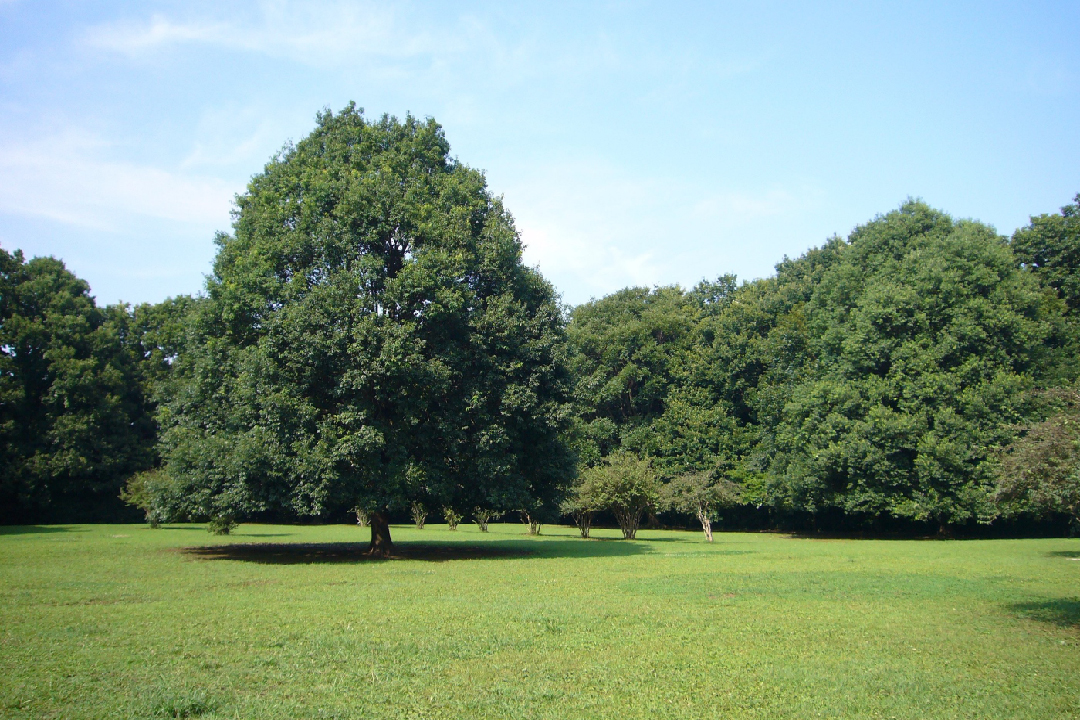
point(706, 525)
point(629, 520)
point(584, 522)
point(381, 544)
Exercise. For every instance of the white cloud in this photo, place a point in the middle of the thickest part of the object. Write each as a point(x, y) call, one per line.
point(240, 138)
point(311, 33)
point(593, 228)
point(131, 38)
point(63, 178)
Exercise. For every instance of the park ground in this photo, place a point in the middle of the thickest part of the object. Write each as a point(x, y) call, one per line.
point(278, 621)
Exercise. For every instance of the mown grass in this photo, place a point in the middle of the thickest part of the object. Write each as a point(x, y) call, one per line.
point(124, 621)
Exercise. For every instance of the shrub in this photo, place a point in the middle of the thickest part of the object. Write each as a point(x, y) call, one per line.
point(483, 517)
point(151, 491)
point(137, 491)
point(701, 495)
point(581, 504)
point(452, 517)
point(532, 520)
point(419, 514)
point(221, 524)
point(1039, 472)
point(625, 485)
point(362, 518)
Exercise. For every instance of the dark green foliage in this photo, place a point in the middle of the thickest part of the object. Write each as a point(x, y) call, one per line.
point(1050, 247)
point(221, 524)
point(919, 342)
point(74, 418)
point(628, 348)
point(874, 375)
point(1039, 472)
point(371, 337)
point(624, 485)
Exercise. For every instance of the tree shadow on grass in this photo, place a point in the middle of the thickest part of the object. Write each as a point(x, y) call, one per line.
point(1063, 612)
point(29, 529)
point(1064, 553)
point(343, 552)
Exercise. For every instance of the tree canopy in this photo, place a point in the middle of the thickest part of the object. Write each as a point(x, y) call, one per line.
point(1050, 247)
point(371, 341)
point(75, 419)
point(371, 338)
point(921, 338)
point(1039, 471)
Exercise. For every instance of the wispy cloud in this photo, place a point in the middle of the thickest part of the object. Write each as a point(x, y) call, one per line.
point(597, 228)
point(133, 38)
point(64, 178)
point(310, 33)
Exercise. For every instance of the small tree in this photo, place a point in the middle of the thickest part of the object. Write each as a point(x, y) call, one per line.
point(483, 517)
point(627, 486)
point(361, 517)
point(221, 524)
point(136, 492)
point(142, 491)
point(1040, 471)
point(701, 495)
point(581, 504)
point(452, 517)
point(419, 514)
point(532, 519)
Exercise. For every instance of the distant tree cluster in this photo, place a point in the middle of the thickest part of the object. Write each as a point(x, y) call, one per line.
point(628, 487)
point(876, 376)
point(370, 342)
point(75, 413)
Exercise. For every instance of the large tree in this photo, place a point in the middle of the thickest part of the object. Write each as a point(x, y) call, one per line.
point(919, 342)
point(1050, 247)
point(370, 338)
point(1039, 472)
point(74, 415)
point(628, 351)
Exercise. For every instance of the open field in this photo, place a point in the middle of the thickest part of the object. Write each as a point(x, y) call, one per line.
point(123, 621)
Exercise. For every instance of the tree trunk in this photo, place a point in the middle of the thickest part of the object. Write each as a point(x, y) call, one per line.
point(583, 519)
point(706, 525)
point(381, 544)
point(629, 520)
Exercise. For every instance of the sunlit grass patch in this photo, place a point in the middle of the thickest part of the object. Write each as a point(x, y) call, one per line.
point(296, 622)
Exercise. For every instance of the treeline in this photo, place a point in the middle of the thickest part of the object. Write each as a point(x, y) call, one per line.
point(877, 377)
point(77, 385)
point(370, 340)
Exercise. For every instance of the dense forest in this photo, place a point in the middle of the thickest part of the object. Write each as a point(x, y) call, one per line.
point(370, 340)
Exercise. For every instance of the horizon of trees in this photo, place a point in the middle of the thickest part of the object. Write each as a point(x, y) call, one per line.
point(886, 377)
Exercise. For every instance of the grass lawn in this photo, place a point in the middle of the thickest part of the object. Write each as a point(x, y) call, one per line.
point(122, 621)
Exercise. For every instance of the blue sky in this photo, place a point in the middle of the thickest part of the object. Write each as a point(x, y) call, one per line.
point(634, 142)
